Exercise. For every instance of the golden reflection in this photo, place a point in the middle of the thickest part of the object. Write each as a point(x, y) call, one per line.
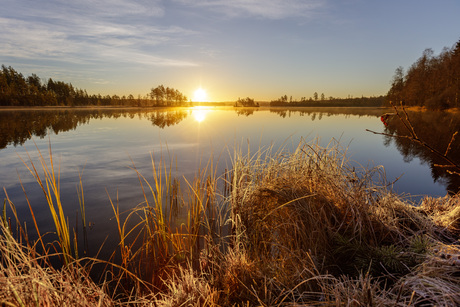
point(199, 113)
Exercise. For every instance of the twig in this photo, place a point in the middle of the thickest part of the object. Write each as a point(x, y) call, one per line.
point(408, 120)
point(411, 130)
point(450, 143)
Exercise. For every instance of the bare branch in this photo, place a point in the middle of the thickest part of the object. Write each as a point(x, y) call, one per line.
point(413, 137)
point(450, 143)
point(411, 129)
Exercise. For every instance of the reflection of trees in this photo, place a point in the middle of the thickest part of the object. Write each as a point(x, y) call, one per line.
point(320, 112)
point(164, 119)
point(436, 129)
point(314, 112)
point(244, 112)
point(330, 102)
point(16, 127)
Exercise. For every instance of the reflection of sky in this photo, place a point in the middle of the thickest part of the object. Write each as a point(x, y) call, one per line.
point(104, 148)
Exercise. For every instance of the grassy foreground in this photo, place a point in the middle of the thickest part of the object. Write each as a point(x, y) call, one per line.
point(288, 229)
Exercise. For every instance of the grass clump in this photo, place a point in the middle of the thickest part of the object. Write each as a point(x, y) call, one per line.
point(312, 221)
point(307, 228)
point(24, 281)
point(313, 202)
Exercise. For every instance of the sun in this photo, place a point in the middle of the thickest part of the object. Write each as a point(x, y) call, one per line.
point(199, 95)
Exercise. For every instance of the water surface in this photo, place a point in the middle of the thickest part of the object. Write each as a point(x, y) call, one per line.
point(105, 145)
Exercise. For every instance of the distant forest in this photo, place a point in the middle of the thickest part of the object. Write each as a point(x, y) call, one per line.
point(432, 81)
point(322, 101)
point(16, 90)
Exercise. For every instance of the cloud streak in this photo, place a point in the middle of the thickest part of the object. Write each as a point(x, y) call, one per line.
point(271, 9)
point(88, 31)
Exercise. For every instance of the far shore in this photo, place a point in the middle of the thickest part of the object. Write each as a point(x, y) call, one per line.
point(262, 107)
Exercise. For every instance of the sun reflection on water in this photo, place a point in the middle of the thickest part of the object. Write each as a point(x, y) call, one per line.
point(199, 113)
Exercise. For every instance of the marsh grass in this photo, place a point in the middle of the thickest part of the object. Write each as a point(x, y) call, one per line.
point(171, 228)
point(306, 228)
point(47, 178)
point(25, 281)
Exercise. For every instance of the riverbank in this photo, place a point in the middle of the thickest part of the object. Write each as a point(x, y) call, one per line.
point(303, 228)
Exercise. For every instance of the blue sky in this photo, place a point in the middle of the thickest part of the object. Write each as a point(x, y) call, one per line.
point(261, 49)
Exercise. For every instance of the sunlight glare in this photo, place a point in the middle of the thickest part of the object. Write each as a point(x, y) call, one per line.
point(199, 95)
point(199, 114)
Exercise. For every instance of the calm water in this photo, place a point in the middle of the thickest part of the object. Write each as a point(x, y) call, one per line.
point(104, 144)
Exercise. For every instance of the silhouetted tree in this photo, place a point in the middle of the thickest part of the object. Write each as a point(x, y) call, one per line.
point(315, 96)
point(432, 81)
point(246, 102)
point(397, 85)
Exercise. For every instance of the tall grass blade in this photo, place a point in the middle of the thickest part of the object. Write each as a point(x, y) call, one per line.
point(49, 183)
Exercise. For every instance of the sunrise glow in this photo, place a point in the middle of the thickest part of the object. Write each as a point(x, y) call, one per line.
point(200, 95)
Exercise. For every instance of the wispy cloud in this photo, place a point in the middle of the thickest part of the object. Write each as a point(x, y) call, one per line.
point(91, 8)
point(113, 8)
point(272, 9)
point(88, 31)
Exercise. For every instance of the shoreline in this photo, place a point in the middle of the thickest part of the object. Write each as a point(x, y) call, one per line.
point(56, 108)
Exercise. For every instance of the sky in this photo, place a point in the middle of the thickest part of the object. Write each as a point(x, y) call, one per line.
point(261, 49)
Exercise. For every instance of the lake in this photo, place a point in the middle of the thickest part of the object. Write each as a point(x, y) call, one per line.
point(105, 145)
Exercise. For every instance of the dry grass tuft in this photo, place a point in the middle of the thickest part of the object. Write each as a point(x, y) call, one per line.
point(444, 211)
point(24, 282)
point(185, 288)
point(237, 277)
point(361, 291)
point(436, 281)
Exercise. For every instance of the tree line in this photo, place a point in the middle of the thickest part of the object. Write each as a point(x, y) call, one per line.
point(167, 96)
point(17, 90)
point(322, 101)
point(432, 81)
